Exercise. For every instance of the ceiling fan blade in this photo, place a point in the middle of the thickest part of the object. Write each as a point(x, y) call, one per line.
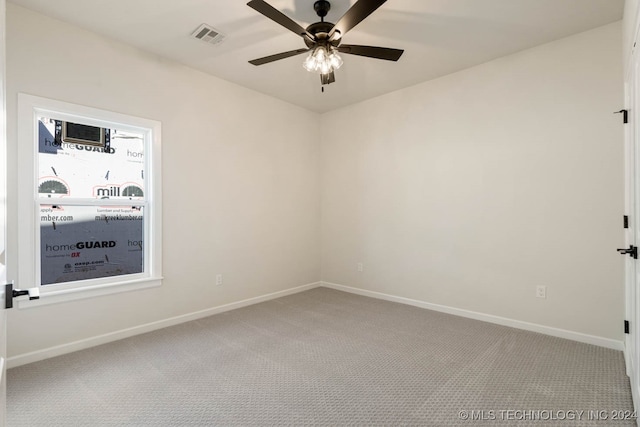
point(358, 12)
point(277, 56)
point(326, 79)
point(275, 15)
point(386, 53)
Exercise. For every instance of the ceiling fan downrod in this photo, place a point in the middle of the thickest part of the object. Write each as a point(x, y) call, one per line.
point(322, 8)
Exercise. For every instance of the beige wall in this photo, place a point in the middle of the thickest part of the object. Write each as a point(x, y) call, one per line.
point(472, 189)
point(240, 179)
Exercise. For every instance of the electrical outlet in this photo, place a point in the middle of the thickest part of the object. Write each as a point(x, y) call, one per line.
point(360, 266)
point(218, 279)
point(541, 291)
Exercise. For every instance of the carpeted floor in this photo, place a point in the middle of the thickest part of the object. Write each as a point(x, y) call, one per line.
point(329, 358)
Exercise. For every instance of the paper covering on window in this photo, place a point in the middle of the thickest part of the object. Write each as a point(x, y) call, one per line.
point(92, 241)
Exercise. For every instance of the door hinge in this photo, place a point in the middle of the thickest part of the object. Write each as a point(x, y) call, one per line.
point(626, 326)
point(625, 221)
point(625, 115)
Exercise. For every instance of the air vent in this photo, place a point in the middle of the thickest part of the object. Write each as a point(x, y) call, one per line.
point(208, 34)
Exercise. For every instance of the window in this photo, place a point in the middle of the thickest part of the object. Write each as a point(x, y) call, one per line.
point(89, 200)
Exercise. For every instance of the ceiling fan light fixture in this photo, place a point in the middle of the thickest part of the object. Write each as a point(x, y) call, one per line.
point(322, 61)
point(311, 63)
point(324, 39)
point(335, 59)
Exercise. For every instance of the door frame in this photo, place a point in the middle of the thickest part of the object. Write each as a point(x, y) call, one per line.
point(631, 184)
point(3, 213)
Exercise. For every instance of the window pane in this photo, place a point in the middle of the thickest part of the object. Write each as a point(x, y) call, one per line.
point(70, 168)
point(89, 242)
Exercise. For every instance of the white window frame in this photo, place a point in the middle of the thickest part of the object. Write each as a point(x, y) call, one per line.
point(29, 109)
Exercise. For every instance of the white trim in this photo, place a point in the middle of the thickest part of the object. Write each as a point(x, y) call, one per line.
point(23, 359)
point(518, 324)
point(3, 209)
point(29, 107)
point(634, 35)
point(632, 374)
point(74, 294)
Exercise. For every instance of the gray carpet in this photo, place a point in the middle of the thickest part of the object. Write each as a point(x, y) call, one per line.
point(324, 357)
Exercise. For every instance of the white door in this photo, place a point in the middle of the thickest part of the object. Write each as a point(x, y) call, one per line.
point(631, 279)
point(632, 235)
point(3, 180)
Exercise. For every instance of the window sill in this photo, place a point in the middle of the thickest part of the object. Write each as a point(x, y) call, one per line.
point(48, 297)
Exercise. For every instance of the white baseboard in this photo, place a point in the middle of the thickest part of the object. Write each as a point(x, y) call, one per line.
point(23, 359)
point(555, 332)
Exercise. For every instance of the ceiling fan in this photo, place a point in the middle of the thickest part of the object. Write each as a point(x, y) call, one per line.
point(324, 39)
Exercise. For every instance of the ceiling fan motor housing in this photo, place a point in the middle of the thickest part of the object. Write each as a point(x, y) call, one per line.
point(320, 32)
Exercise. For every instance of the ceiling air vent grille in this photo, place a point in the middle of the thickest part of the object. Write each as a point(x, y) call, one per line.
point(208, 34)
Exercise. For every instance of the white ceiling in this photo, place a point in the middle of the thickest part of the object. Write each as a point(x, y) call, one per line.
point(439, 37)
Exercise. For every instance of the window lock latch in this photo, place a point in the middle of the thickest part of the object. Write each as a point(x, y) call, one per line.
point(10, 294)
